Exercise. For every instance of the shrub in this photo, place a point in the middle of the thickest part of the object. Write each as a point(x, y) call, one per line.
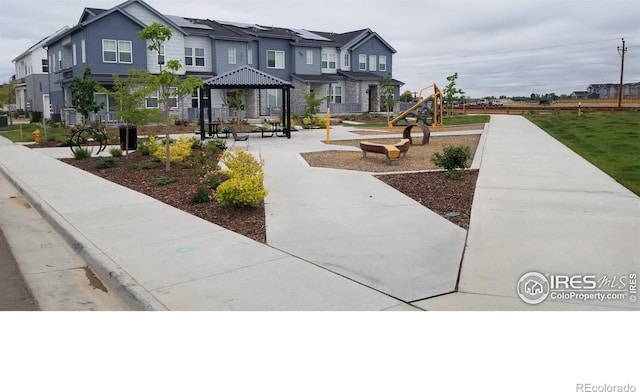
point(149, 147)
point(81, 153)
point(201, 194)
point(220, 144)
point(105, 163)
point(452, 158)
point(178, 150)
point(321, 122)
point(244, 188)
point(165, 180)
point(115, 152)
point(143, 166)
point(307, 123)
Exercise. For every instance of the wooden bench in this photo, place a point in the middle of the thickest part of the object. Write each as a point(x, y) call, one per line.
point(391, 151)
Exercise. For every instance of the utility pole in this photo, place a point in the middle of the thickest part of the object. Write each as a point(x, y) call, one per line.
point(621, 50)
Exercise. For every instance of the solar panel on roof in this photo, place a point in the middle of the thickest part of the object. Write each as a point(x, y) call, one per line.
point(305, 34)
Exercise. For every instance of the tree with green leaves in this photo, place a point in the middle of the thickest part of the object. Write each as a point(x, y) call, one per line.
point(388, 95)
point(406, 96)
point(7, 97)
point(129, 93)
point(167, 82)
point(82, 92)
point(451, 93)
point(313, 105)
point(235, 99)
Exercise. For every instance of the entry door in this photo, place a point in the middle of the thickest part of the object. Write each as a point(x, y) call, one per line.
point(46, 108)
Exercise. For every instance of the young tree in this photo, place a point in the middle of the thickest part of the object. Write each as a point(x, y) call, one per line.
point(168, 82)
point(313, 105)
point(388, 94)
point(129, 94)
point(451, 93)
point(235, 99)
point(406, 96)
point(7, 97)
point(82, 91)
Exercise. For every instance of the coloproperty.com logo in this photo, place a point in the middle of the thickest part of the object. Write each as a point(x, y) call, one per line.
point(535, 287)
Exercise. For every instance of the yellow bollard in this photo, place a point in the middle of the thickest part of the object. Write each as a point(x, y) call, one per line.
point(328, 138)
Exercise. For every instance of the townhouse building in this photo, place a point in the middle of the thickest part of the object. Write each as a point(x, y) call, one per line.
point(349, 69)
point(32, 79)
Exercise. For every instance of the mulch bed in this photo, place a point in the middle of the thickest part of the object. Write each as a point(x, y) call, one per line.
point(450, 198)
point(249, 222)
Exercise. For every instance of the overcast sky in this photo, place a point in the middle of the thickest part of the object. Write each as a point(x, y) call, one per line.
point(497, 47)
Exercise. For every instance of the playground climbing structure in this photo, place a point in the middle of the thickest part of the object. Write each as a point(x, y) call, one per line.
point(427, 110)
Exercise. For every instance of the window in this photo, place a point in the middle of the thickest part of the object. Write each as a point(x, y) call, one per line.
point(125, 52)
point(53, 62)
point(249, 56)
point(309, 56)
point(336, 94)
point(45, 66)
point(347, 60)
point(173, 97)
point(74, 56)
point(328, 61)
point(275, 59)
point(188, 56)
point(231, 55)
point(115, 51)
point(152, 100)
point(195, 98)
point(59, 59)
point(199, 57)
point(362, 62)
point(84, 52)
point(109, 51)
point(372, 62)
point(274, 98)
point(382, 63)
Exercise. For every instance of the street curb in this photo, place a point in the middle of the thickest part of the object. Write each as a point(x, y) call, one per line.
point(125, 287)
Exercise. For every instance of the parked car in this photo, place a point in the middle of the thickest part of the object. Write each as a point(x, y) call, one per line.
point(495, 102)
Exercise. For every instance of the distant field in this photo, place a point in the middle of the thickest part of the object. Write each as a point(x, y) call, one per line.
point(611, 141)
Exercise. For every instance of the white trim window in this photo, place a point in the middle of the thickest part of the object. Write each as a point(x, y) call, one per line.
point(347, 60)
point(275, 59)
point(250, 56)
point(109, 51)
point(125, 52)
point(173, 97)
point(60, 60)
point(336, 94)
point(328, 61)
point(195, 98)
point(116, 51)
point(194, 57)
point(309, 57)
point(151, 101)
point(382, 63)
point(231, 55)
point(84, 51)
point(362, 62)
point(373, 62)
point(74, 55)
point(45, 65)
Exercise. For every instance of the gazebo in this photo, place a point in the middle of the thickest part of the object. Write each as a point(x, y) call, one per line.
point(246, 78)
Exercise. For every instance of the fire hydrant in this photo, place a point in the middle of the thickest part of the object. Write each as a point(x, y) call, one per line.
point(37, 136)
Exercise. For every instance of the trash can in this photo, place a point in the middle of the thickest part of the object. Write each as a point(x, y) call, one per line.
point(133, 137)
point(4, 122)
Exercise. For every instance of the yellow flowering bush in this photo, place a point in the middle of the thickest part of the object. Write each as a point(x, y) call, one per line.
point(244, 187)
point(178, 150)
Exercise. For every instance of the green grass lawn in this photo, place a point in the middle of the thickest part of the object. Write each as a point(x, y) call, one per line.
point(14, 134)
point(611, 141)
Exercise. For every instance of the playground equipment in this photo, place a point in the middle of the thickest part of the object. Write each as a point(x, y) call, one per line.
point(428, 110)
point(391, 151)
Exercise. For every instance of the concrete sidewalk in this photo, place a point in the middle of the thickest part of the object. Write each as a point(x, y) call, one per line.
point(540, 207)
point(161, 258)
